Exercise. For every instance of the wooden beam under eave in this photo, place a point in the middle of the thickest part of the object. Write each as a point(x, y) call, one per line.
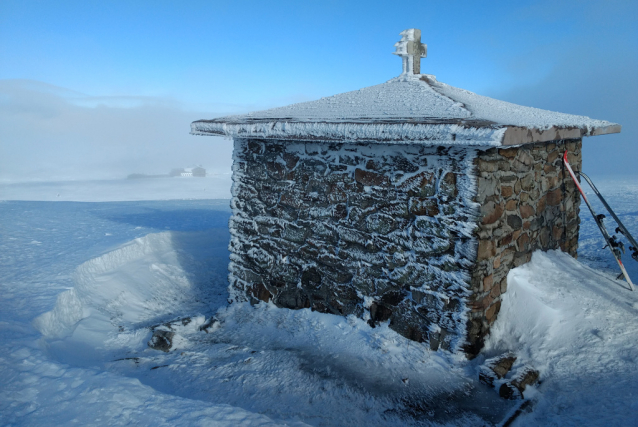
point(606, 130)
point(515, 135)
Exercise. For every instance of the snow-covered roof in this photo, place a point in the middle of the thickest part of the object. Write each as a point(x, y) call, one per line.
point(407, 109)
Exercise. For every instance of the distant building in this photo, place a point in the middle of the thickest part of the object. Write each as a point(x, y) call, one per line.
point(197, 171)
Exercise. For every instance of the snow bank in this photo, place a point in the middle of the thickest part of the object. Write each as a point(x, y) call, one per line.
point(131, 286)
point(578, 327)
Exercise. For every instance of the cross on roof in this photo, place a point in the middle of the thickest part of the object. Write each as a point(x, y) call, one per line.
point(411, 50)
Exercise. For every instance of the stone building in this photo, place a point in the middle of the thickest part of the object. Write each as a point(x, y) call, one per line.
point(405, 202)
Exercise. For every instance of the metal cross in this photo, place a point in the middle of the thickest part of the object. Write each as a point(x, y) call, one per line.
point(411, 50)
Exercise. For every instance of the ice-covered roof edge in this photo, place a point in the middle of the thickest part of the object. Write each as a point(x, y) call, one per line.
point(394, 133)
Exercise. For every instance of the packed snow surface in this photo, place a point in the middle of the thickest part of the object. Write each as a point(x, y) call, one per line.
point(82, 284)
point(404, 109)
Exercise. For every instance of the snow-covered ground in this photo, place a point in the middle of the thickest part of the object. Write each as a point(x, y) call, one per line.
point(117, 190)
point(82, 284)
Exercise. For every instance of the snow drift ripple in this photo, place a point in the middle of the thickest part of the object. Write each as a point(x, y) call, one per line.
point(129, 285)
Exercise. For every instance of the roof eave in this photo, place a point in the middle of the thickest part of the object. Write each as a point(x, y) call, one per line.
point(517, 135)
point(449, 132)
point(454, 131)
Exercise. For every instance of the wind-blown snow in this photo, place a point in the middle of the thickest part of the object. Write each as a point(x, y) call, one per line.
point(116, 268)
point(579, 329)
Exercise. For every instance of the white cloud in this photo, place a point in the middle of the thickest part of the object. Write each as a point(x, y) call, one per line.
point(52, 133)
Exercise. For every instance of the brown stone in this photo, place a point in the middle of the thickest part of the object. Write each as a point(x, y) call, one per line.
point(528, 377)
point(523, 242)
point(522, 258)
point(506, 191)
point(491, 212)
point(551, 157)
point(495, 292)
point(497, 262)
point(557, 233)
point(424, 207)
point(504, 285)
point(507, 256)
point(490, 314)
point(510, 153)
point(259, 291)
point(524, 157)
point(573, 160)
point(370, 178)
point(540, 206)
point(371, 164)
point(487, 282)
point(554, 197)
point(503, 365)
point(448, 185)
point(486, 249)
point(505, 241)
point(552, 181)
point(526, 211)
point(527, 183)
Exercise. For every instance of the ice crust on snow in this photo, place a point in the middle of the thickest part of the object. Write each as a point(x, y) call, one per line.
point(409, 108)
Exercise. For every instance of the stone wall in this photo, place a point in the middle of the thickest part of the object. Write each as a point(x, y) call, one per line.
point(528, 202)
point(380, 231)
point(422, 237)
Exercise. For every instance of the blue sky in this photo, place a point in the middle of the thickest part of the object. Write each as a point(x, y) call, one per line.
point(136, 73)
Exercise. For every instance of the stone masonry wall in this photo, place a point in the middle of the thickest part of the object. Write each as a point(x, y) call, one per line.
point(384, 232)
point(528, 202)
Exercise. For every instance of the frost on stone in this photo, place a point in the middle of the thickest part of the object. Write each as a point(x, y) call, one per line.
point(376, 231)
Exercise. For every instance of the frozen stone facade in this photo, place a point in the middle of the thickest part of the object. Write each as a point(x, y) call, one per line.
point(420, 236)
point(528, 202)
